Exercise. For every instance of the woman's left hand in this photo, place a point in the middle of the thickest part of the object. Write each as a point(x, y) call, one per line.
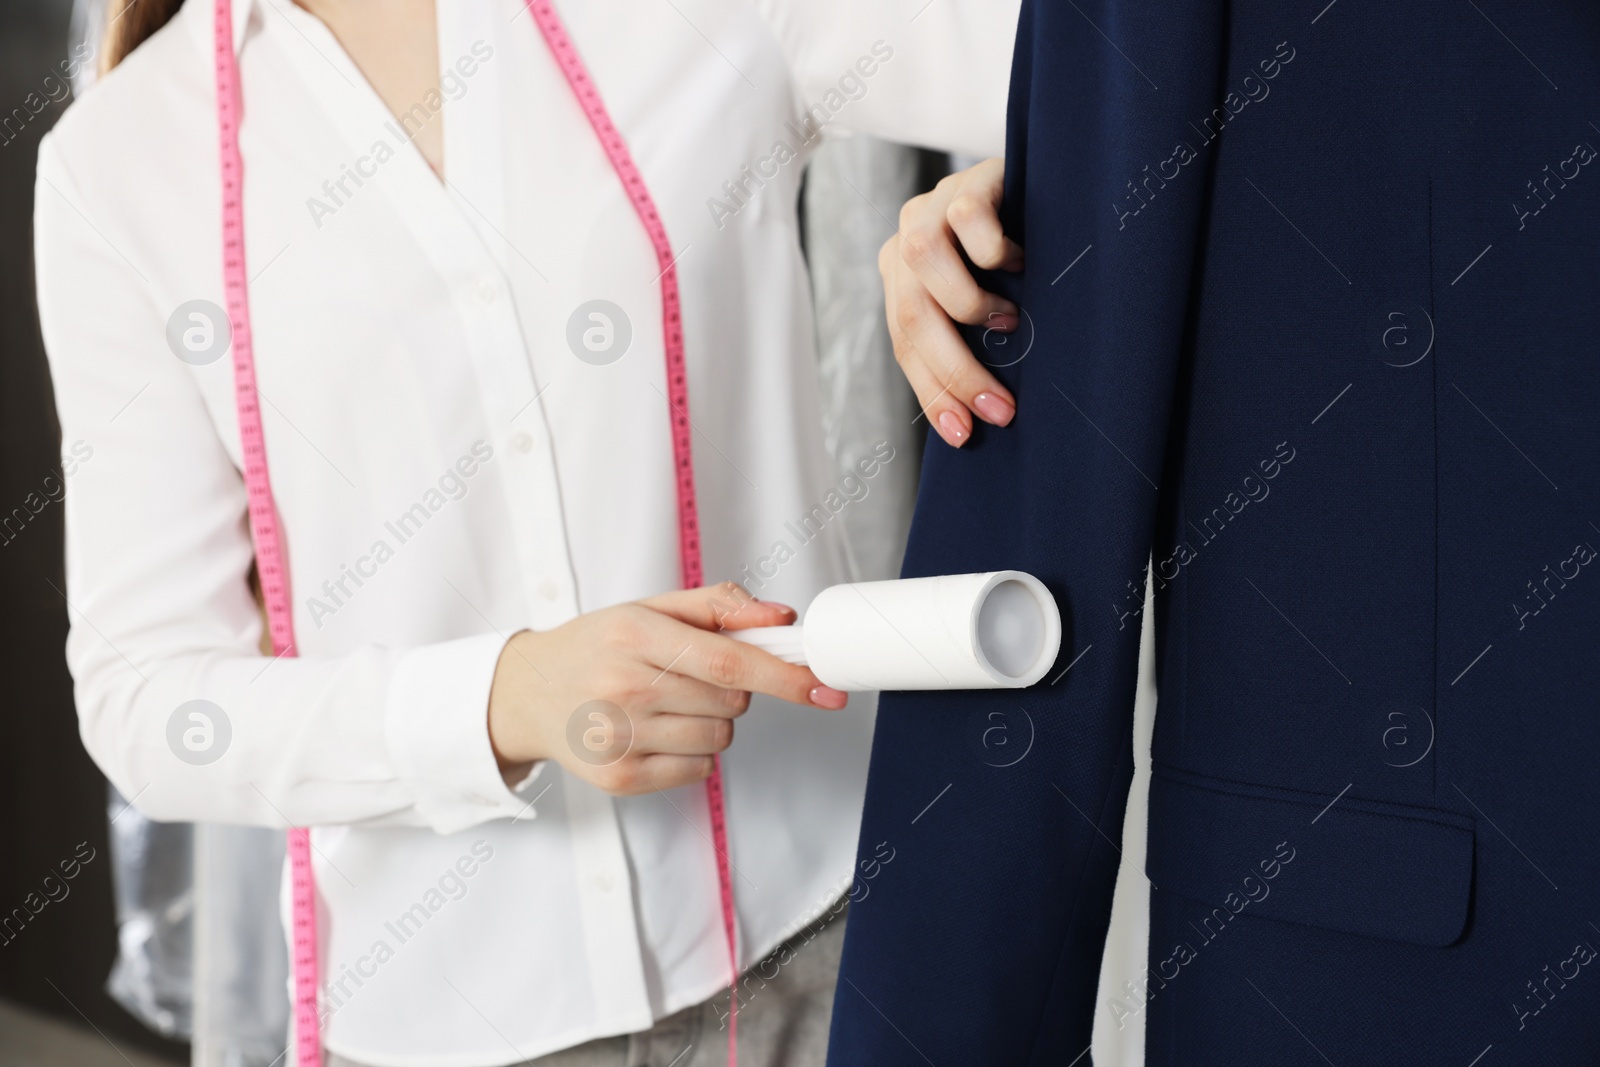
point(927, 284)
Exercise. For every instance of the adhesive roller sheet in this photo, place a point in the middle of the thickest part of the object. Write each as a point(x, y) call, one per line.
point(996, 630)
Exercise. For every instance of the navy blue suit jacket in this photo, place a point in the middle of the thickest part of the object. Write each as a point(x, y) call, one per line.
point(1312, 306)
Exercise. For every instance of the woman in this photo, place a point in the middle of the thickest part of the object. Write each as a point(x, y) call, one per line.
point(457, 320)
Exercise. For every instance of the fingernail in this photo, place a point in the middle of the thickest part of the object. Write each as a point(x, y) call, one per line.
point(825, 697)
point(954, 429)
point(784, 608)
point(1004, 321)
point(994, 408)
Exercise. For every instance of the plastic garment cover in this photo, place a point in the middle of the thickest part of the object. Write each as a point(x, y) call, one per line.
point(241, 960)
point(1118, 1039)
point(200, 947)
point(854, 185)
point(153, 887)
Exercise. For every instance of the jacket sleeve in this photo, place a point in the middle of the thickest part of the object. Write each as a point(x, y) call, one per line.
point(991, 833)
point(176, 702)
point(928, 74)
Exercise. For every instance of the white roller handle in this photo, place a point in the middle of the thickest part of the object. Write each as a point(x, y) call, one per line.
point(996, 630)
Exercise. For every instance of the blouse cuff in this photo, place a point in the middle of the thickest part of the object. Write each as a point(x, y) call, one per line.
point(436, 721)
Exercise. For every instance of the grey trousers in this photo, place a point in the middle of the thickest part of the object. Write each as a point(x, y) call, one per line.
point(785, 1004)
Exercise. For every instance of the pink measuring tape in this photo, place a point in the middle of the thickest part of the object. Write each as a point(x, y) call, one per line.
point(267, 534)
point(264, 526)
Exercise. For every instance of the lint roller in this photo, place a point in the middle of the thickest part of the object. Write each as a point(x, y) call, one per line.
point(996, 630)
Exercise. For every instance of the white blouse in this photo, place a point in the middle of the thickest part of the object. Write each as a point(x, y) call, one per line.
point(463, 444)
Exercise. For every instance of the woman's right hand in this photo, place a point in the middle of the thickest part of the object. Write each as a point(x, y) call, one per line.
point(641, 696)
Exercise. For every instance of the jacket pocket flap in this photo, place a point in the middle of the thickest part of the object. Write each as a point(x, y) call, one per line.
point(1374, 869)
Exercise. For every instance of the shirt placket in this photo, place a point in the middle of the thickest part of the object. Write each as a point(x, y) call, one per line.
point(499, 346)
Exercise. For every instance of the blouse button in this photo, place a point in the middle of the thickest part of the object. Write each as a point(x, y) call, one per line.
point(522, 442)
point(603, 882)
point(549, 590)
point(486, 291)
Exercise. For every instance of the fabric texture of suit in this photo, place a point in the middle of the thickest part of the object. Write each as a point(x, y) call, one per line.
point(1311, 319)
